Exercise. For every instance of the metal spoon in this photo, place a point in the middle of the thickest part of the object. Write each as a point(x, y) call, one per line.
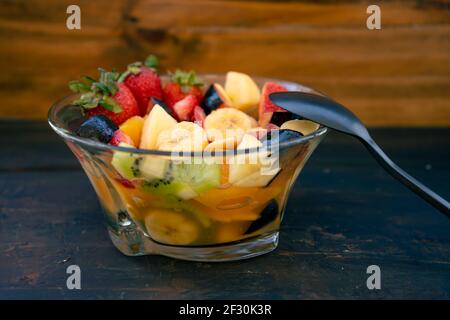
point(331, 114)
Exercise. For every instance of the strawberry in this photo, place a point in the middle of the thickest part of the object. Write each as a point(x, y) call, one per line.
point(271, 87)
point(120, 136)
point(105, 97)
point(198, 116)
point(184, 108)
point(144, 82)
point(182, 84)
point(267, 107)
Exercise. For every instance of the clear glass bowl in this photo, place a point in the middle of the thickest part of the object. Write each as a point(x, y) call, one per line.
point(219, 222)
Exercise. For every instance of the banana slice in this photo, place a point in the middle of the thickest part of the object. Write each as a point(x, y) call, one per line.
point(227, 122)
point(223, 144)
point(170, 227)
point(185, 136)
point(305, 127)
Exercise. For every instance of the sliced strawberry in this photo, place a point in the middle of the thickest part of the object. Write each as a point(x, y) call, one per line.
point(271, 87)
point(126, 101)
point(120, 136)
point(182, 84)
point(267, 107)
point(144, 82)
point(184, 108)
point(198, 116)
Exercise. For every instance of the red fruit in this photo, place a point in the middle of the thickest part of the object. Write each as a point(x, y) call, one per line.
point(120, 136)
point(144, 85)
point(267, 107)
point(126, 183)
point(125, 99)
point(272, 126)
point(182, 84)
point(173, 94)
point(198, 116)
point(184, 108)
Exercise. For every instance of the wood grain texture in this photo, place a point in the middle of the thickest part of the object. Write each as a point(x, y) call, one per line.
point(344, 214)
point(397, 76)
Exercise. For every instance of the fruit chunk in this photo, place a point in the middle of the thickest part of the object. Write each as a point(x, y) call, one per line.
point(198, 116)
point(200, 177)
point(242, 90)
point(105, 97)
point(305, 127)
point(253, 169)
point(119, 137)
point(269, 214)
point(274, 138)
point(185, 181)
point(182, 84)
point(255, 197)
point(215, 97)
point(153, 167)
point(133, 128)
point(170, 227)
point(143, 82)
point(267, 107)
point(184, 136)
point(98, 128)
point(184, 108)
point(125, 163)
point(231, 231)
point(156, 121)
point(227, 122)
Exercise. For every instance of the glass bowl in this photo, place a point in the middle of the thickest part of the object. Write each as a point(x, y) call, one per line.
point(204, 218)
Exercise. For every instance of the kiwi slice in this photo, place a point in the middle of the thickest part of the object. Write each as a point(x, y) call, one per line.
point(125, 163)
point(200, 177)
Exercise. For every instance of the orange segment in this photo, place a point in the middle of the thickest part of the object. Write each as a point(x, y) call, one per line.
point(133, 128)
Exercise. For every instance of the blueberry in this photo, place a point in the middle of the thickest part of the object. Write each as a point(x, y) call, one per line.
point(278, 118)
point(269, 214)
point(98, 128)
point(282, 136)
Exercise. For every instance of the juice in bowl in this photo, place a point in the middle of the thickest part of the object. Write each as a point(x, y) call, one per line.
point(192, 167)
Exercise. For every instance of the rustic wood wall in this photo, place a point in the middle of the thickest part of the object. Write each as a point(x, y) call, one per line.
point(397, 76)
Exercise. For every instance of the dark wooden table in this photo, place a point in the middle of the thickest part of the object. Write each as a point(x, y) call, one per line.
point(344, 214)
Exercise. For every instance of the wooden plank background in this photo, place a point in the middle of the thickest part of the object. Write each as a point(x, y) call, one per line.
point(397, 76)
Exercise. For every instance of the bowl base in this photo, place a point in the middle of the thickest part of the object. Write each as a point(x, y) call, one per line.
point(139, 245)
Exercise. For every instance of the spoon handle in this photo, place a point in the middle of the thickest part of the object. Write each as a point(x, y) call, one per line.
point(414, 185)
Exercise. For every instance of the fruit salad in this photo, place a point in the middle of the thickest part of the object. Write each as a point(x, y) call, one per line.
point(191, 164)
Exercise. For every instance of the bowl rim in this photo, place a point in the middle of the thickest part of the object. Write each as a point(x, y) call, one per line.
point(86, 142)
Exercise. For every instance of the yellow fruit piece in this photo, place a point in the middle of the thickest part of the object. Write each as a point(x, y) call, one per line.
point(184, 136)
point(170, 227)
point(133, 128)
point(231, 231)
point(156, 121)
point(242, 90)
point(305, 127)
